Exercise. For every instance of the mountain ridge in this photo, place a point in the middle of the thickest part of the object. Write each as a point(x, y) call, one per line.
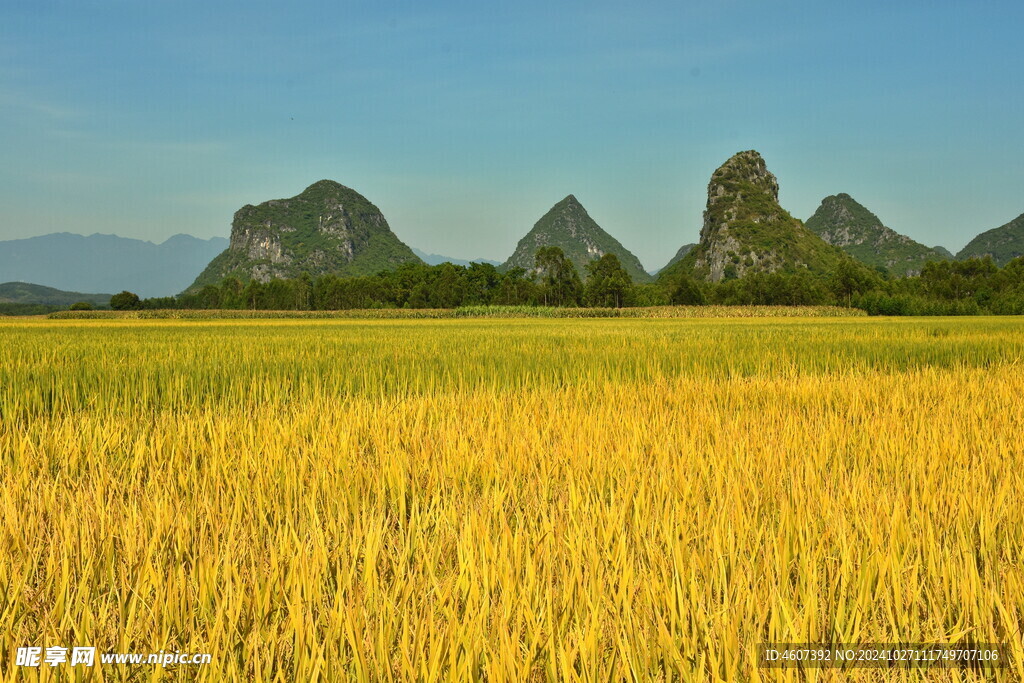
point(104, 262)
point(844, 222)
point(438, 259)
point(1003, 243)
point(327, 228)
point(569, 226)
point(30, 293)
point(680, 253)
point(746, 230)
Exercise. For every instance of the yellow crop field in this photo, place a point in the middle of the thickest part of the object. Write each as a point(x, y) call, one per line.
point(508, 500)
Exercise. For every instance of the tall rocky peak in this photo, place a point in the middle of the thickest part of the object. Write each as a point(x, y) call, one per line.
point(567, 225)
point(746, 230)
point(327, 228)
point(845, 223)
point(745, 174)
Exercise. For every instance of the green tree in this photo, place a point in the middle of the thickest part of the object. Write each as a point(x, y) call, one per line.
point(419, 297)
point(405, 281)
point(279, 295)
point(303, 292)
point(650, 294)
point(448, 288)
point(210, 297)
point(851, 278)
point(482, 280)
point(81, 306)
point(515, 289)
point(608, 283)
point(164, 302)
point(687, 292)
point(232, 293)
point(252, 295)
point(125, 301)
point(560, 283)
point(953, 280)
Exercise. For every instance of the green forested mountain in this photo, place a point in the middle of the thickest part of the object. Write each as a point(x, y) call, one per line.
point(567, 225)
point(1002, 244)
point(682, 251)
point(746, 231)
point(843, 222)
point(27, 293)
point(328, 228)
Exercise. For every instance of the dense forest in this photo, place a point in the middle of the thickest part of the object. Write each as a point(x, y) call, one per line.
point(974, 286)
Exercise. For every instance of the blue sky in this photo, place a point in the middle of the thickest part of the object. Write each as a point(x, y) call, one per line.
point(465, 121)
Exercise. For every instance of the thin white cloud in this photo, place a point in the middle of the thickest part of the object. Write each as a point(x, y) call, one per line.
point(178, 147)
point(20, 101)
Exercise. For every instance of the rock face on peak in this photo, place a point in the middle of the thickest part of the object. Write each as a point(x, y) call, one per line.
point(328, 228)
point(843, 222)
point(568, 225)
point(745, 230)
point(1003, 243)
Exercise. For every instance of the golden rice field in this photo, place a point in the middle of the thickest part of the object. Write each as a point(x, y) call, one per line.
point(508, 500)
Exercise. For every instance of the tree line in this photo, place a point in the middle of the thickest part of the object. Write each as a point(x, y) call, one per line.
point(974, 286)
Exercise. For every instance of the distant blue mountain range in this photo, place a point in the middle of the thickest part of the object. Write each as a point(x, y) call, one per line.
point(108, 263)
point(435, 259)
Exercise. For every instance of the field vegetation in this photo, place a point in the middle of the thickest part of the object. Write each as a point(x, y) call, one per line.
point(544, 499)
point(471, 312)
